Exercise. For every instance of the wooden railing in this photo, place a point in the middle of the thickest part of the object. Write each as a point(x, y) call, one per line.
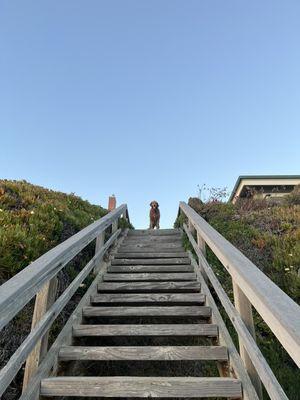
point(251, 287)
point(39, 279)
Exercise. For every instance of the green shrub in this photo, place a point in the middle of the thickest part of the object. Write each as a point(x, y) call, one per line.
point(34, 219)
point(294, 197)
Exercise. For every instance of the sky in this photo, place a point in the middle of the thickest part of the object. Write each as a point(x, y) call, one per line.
point(148, 99)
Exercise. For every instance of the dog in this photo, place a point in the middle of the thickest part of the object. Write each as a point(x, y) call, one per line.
point(154, 215)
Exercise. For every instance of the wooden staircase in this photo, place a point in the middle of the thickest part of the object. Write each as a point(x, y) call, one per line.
point(151, 283)
point(148, 324)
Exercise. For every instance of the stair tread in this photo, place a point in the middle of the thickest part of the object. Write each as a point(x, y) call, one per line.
point(154, 254)
point(157, 311)
point(149, 298)
point(150, 268)
point(151, 276)
point(124, 386)
point(68, 353)
point(158, 232)
point(151, 261)
point(149, 286)
point(209, 330)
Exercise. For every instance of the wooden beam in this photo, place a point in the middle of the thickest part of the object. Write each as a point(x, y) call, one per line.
point(244, 308)
point(276, 308)
point(31, 279)
point(150, 268)
point(147, 311)
point(44, 300)
point(143, 287)
point(236, 366)
point(149, 298)
point(145, 353)
point(150, 277)
point(207, 330)
point(99, 243)
point(42, 326)
point(64, 338)
point(264, 371)
point(152, 261)
point(142, 387)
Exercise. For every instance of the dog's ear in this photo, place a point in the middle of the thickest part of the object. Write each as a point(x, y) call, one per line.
point(151, 203)
point(157, 204)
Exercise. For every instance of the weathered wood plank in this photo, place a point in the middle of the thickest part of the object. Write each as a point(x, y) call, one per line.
point(155, 254)
point(264, 371)
point(150, 268)
point(17, 359)
point(43, 301)
point(147, 311)
point(159, 232)
point(132, 386)
point(72, 353)
point(244, 308)
point(157, 246)
point(49, 363)
point(31, 279)
point(148, 287)
point(153, 240)
point(151, 261)
point(152, 276)
point(277, 309)
point(208, 330)
point(149, 298)
point(236, 366)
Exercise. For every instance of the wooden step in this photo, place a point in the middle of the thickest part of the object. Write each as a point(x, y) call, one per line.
point(139, 287)
point(158, 232)
point(149, 298)
point(147, 311)
point(207, 330)
point(155, 254)
point(151, 261)
point(148, 247)
point(150, 268)
point(152, 276)
point(141, 387)
point(167, 353)
point(153, 239)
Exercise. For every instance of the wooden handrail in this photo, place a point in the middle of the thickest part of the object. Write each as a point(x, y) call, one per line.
point(19, 290)
point(264, 372)
point(276, 308)
point(16, 292)
point(20, 355)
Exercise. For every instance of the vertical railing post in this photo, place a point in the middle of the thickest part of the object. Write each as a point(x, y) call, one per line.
point(244, 307)
point(43, 301)
point(201, 244)
point(191, 227)
point(99, 243)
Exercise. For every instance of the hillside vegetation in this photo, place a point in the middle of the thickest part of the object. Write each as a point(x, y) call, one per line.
point(33, 220)
point(269, 235)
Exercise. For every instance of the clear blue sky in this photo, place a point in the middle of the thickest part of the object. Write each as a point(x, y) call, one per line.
point(148, 99)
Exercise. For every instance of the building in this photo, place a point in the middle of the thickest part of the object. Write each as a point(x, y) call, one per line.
point(264, 186)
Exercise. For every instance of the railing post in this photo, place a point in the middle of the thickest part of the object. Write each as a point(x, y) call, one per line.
point(43, 301)
point(244, 307)
point(99, 243)
point(191, 227)
point(201, 244)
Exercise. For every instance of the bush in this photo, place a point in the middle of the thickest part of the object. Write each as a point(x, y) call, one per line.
point(294, 197)
point(34, 219)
